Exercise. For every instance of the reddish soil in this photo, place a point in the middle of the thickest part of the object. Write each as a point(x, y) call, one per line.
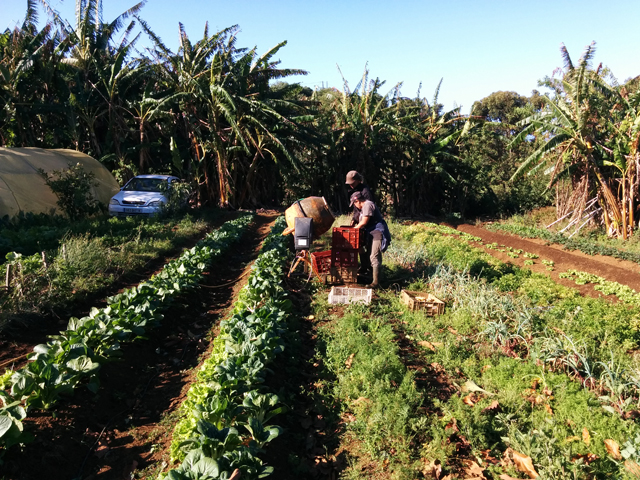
point(612, 269)
point(126, 428)
point(18, 338)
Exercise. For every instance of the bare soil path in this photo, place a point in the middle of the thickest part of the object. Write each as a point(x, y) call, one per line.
point(613, 269)
point(127, 426)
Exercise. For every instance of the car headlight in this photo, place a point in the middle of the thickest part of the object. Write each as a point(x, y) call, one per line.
point(113, 201)
point(156, 203)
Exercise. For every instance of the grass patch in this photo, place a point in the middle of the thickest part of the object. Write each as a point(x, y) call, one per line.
point(532, 368)
point(87, 262)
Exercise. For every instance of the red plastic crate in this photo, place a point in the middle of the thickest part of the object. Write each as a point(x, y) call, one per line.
point(321, 262)
point(347, 237)
point(344, 257)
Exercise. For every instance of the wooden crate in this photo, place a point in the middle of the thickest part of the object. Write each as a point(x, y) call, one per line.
point(422, 301)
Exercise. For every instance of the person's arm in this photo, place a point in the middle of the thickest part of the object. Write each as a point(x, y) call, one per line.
point(363, 221)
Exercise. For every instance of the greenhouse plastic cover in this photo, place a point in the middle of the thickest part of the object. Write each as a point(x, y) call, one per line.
point(22, 188)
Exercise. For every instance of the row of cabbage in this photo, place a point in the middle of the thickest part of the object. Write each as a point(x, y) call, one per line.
point(226, 417)
point(76, 354)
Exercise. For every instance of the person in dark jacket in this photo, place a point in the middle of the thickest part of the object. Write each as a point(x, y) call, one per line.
point(376, 230)
point(356, 184)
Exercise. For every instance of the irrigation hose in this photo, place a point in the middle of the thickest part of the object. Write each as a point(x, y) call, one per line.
point(228, 283)
point(13, 360)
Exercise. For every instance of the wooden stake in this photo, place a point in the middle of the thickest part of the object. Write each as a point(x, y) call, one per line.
point(8, 279)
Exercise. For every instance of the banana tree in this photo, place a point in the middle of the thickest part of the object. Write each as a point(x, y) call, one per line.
point(579, 123)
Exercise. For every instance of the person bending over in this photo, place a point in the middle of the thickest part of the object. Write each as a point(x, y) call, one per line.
point(356, 184)
point(377, 233)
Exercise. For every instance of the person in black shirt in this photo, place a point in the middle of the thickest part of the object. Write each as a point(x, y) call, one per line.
point(356, 184)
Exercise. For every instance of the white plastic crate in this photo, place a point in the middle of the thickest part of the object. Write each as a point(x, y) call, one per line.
point(349, 295)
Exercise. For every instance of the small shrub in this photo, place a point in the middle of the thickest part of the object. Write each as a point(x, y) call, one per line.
point(73, 189)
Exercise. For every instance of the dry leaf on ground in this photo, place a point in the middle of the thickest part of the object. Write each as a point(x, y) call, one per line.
point(469, 400)
point(361, 400)
point(432, 469)
point(504, 476)
point(633, 468)
point(474, 471)
point(428, 345)
point(586, 437)
point(493, 408)
point(471, 386)
point(349, 360)
point(613, 448)
point(524, 464)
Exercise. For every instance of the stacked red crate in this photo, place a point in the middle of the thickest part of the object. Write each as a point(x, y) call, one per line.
point(321, 261)
point(347, 238)
point(340, 264)
point(345, 243)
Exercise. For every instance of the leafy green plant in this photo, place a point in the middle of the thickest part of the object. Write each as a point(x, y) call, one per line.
point(73, 189)
point(224, 403)
point(625, 293)
point(11, 429)
point(75, 355)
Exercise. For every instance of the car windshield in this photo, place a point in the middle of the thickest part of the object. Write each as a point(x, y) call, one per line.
point(146, 185)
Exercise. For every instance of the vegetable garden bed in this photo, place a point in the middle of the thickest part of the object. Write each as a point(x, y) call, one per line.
point(191, 336)
point(520, 377)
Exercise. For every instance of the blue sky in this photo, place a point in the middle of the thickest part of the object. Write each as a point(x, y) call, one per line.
point(476, 47)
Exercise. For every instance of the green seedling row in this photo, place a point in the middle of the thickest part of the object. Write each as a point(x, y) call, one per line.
point(75, 355)
point(623, 292)
point(226, 418)
point(585, 245)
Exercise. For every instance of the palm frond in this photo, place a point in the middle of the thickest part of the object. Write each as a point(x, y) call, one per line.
point(568, 64)
point(157, 41)
point(538, 156)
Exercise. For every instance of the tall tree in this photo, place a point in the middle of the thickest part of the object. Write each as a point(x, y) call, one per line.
point(581, 125)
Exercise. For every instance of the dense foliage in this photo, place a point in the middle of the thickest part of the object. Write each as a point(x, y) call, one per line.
point(592, 127)
point(224, 118)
